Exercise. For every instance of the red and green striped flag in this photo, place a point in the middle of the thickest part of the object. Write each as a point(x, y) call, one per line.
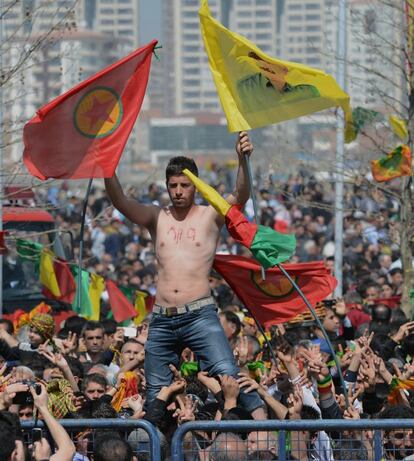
point(267, 246)
point(397, 163)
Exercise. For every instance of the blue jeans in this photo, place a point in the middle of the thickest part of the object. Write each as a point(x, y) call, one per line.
point(202, 332)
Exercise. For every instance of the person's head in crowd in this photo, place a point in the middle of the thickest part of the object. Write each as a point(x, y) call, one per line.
point(260, 443)
point(253, 347)
point(408, 345)
point(381, 313)
point(386, 290)
point(25, 412)
point(51, 371)
point(383, 346)
point(196, 390)
point(11, 444)
point(330, 264)
point(75, 324)
point(385, 261)
point(351, 450)
point(93, 336)
point(228, 447)
point(7, 325)
point(132, 350)
point(231, 324)
point(110, 448)
point(94, 386)
point(42, 328)
point(249, 326)
point(109, 328)
point(398, 443)
point(372, 292)
point(99, 369)
point(396, 277)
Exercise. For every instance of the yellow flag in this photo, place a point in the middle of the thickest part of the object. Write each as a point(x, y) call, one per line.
point(399, 127)
point(257, 90)
point(47, 273)
point(96, 287)
point(209, 193)
point(140, 307)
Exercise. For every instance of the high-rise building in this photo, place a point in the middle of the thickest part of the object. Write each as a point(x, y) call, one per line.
point(189, 86)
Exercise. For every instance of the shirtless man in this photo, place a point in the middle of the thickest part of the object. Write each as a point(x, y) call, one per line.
point(185, 237)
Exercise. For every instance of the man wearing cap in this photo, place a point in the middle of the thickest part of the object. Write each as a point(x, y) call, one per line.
point(185, 237)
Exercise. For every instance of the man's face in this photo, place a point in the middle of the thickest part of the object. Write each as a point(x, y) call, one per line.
point(371, 293)
point(94, 391)
point(228, 327)
point(131, 351)
point(181, 191)
point(94, 340)
point(261, 441)
point(400, 443)
point(52, 373)
point(25, 413)
point(397, 279)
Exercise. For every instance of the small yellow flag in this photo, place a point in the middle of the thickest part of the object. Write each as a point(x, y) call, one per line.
point(47, 273)
point(209, 193)
point(96, 287)
point(257, 90)
point(399, 127)
point(140, 307)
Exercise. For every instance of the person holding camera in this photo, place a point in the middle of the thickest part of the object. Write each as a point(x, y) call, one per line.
point(41, 449)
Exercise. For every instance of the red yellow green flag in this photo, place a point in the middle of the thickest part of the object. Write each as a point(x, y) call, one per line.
point(257, 90)
point(140, 306)
point(267, 246)
point(396, 164)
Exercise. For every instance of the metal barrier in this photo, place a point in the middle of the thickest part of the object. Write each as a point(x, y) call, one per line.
point(286, 428)
point(124, 425)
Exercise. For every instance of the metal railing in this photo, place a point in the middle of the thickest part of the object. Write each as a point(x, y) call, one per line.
point(122, 425)
point(286, 428)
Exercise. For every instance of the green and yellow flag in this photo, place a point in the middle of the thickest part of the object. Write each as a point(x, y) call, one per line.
point(256, 90)
point(397, 163)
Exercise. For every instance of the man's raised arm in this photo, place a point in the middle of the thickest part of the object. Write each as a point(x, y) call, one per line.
point(242, 192)
point(138, 213)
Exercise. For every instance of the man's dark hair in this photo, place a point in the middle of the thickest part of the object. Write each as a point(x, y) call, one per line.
point(396, 412)
point(265, 455)
point(176, 165)
point(94, 378)
point(309, 412)
point(233, 318)
point(10, 430)
point(75, 324)
point(112, 448)
point(75, 366)
point(383, 346)
point(352, 450)
point(91, 325)
point(9, 325)
point(109, 326)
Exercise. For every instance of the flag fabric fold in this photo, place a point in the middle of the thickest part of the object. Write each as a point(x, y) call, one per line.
point(47, 274)
point(274, 300)
point(396, 164)
point(121, 307)
point(82, 133)
point(96, 287)
point(256, 90)
point(140, 306)
point(65, 281)
point(85, 310)
point(267, 246)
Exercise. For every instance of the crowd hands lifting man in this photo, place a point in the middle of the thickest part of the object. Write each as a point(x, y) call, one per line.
point(86, 369)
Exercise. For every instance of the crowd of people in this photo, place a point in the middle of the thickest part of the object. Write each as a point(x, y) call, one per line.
point(95, 369)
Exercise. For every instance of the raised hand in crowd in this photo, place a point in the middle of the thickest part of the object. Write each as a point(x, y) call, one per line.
point(186, 409)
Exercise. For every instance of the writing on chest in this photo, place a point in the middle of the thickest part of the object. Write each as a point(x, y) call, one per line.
point(179, 234)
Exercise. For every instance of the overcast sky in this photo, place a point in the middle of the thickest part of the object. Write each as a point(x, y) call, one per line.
point(150, 13)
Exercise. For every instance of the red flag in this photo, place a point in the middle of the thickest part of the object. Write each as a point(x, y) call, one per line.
point(82, 133)
point(65, 280)
point(274, 300)
point(121, 307)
